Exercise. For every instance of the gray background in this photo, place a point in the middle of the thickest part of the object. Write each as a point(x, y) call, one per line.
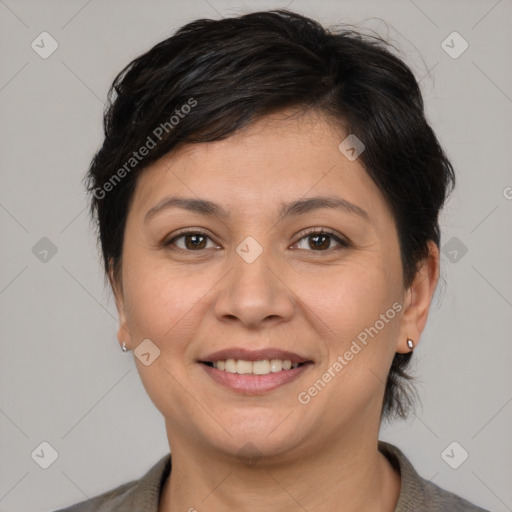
point(63, 378)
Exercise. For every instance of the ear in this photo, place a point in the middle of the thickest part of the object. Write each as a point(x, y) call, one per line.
point(418, 298)
point(123, 335)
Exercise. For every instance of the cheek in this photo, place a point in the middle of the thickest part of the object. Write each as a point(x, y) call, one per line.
point(351, 298)
point(361, 311)
point(161, 303)
point(163, 306)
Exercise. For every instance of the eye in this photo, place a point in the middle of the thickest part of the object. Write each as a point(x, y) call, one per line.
point(193, 241)
point(320, 239)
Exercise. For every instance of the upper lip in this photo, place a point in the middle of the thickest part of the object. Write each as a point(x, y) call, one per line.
point(254, 355)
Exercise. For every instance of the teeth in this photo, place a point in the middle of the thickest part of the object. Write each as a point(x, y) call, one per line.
point(230, 366)
point(263, 367)
point(243, 367)
point(276, 365)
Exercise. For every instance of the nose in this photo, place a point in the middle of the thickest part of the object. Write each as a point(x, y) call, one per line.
point(255, 293)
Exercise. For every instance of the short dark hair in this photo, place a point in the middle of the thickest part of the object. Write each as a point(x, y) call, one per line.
point(232, 72)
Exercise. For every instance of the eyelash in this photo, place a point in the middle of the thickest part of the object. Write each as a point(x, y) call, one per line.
point(306, 234)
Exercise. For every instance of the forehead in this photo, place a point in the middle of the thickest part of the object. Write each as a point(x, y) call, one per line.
point(278, 159)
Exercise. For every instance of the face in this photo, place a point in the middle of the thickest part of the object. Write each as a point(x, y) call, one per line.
point(294, 259)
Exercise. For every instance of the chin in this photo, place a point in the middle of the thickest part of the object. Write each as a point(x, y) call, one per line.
point(252, 448)
point(257, 434)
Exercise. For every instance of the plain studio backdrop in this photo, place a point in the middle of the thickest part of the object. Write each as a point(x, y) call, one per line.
point(67, 390)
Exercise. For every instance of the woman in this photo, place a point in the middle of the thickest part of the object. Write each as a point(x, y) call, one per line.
point(267, 198)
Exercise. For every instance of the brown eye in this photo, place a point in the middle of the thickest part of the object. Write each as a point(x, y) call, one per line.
point(193, 241)
point(320, 241)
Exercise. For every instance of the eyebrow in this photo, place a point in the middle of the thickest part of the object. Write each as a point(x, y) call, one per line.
point(298, 207)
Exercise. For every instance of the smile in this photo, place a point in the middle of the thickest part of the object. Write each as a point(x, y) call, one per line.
point(263, 367)
point(254, 372)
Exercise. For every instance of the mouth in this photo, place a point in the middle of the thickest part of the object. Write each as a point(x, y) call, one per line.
point(254, 372)
point(262, 367)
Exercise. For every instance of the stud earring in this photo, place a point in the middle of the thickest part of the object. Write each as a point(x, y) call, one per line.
point(123, 348)
point(410, 344)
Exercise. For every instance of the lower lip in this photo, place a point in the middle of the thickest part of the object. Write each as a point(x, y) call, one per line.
point(250, 384)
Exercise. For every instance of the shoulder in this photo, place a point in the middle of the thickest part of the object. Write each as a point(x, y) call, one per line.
point(140, 495)
point(420, 495)
point(108, 501)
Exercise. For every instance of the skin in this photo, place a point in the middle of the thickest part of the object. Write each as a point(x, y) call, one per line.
point(319, 456)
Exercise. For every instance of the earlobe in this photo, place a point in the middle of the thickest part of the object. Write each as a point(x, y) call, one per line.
point(418, 299)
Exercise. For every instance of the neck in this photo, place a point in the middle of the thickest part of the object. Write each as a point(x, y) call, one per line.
point(346, 476)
